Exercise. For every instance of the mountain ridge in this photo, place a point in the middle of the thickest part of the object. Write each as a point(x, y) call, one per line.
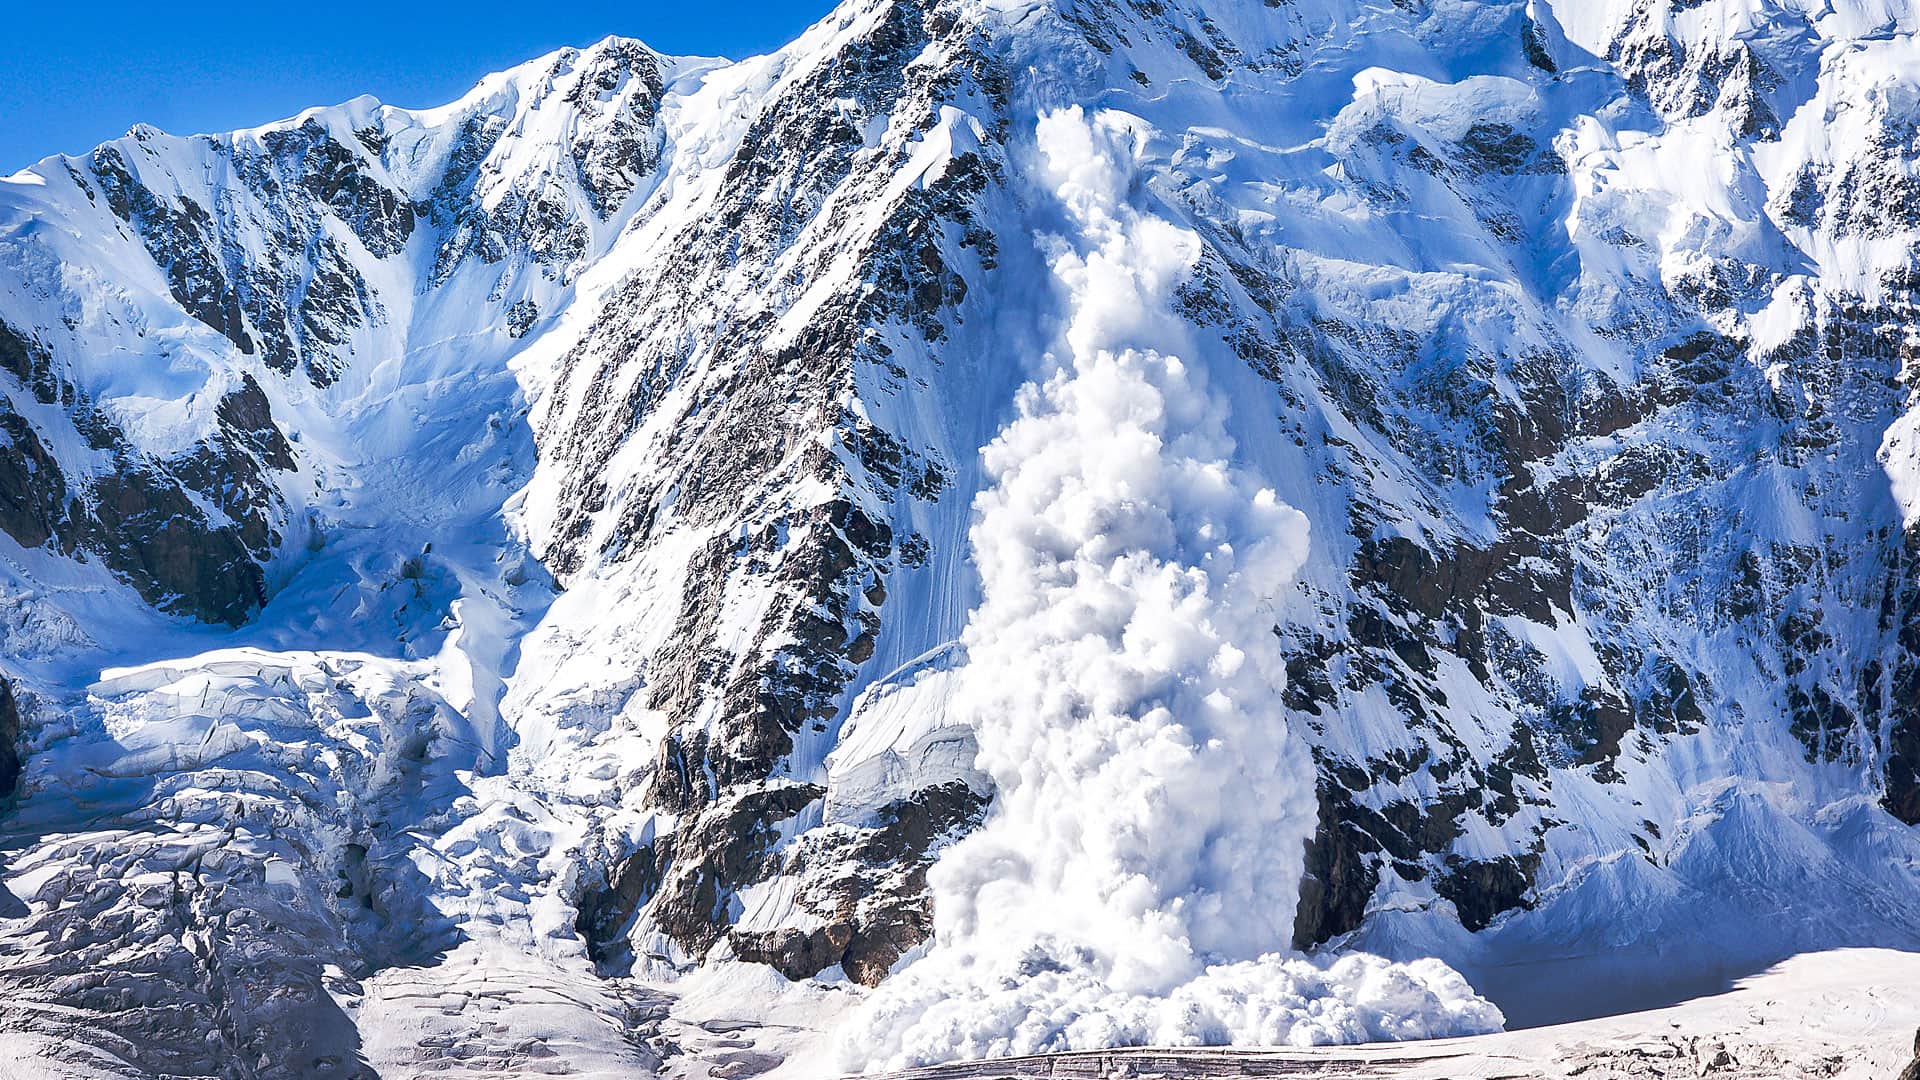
point(614, 439)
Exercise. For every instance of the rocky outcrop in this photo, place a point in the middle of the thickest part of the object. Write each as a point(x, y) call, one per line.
point(9, 739)
point(818, 571)
point(1892, 690)
point(33, 492)
point(190, 533)
point(867, 887)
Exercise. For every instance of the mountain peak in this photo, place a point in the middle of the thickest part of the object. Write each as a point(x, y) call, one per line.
point(1165, 516)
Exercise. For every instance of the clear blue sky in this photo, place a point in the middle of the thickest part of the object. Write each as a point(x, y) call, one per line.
point(77, 73)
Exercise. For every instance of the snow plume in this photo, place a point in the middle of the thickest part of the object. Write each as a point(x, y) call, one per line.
point(1137, 878)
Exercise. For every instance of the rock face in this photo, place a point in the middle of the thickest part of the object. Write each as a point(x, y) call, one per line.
point(9, 740)
point(188, 531)
point(583, 473)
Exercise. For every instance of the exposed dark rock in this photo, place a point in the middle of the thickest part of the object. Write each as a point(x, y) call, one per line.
point(1497, 148)
point(33, 491)
point(604, 912)
point(611, 164)
point(334, 303)
point(181, 238)
point(521, 317)
point(870, 891)
point(332, 174)
point(1901, 774)
point(1482, 889)
point(1594, 724)
point(9, 739)
point(146, 527)
point(727, 846)
point(1340, 877)
point(30, 363)
point(1533, 41)
point(534, 217)
point(247, 417)
point(141, 518)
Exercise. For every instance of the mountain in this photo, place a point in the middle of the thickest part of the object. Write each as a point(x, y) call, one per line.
point(1070, 497)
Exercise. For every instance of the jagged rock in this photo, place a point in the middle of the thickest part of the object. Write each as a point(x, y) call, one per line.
point(9, 740)
point(33, 491)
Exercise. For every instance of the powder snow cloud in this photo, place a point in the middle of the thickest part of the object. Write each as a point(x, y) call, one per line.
point(1137, 878)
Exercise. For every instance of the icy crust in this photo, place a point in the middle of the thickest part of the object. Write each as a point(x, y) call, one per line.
point(291, 859)
point(1138, 872)
point(902, 735)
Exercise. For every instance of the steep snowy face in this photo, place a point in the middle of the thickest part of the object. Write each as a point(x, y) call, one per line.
point(1604, 374)
point(260, 379)
point(1586, 374)
point(1431, 478)
point(1498, 310)
point(743, 461)
point(181, 307)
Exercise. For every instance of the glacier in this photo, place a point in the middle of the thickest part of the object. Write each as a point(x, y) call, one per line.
point(1004, 525)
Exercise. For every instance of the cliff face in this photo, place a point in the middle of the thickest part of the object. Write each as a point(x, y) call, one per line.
point(9, 740)
point(544, 527)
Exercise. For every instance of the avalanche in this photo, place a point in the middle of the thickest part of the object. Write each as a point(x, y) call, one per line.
point(1135, 880)
point(1001, 525)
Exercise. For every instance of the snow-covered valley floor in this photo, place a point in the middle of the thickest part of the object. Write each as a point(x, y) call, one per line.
point(1847, 1013)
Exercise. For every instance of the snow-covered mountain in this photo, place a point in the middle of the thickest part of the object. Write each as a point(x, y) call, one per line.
point(1037, 507)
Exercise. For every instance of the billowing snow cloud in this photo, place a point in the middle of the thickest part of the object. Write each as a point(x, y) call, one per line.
point(1137, 879)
